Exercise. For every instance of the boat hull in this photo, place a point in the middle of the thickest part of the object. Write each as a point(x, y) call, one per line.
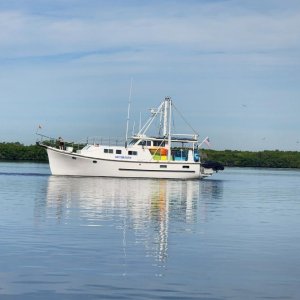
point(72, 164)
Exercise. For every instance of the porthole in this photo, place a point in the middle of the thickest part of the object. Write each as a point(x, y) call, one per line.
point(94, 161)
point(73, 157)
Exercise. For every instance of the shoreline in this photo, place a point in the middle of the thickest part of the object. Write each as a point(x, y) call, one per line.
point(17, 152)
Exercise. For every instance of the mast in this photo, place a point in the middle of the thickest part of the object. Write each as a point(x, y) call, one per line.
point(166, 111)
point(169, 133)
point(167, 121)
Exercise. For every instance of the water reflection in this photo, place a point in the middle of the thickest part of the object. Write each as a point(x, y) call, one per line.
point(144, 207)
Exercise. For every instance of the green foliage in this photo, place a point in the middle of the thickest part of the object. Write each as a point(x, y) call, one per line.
point(17, 151)
point(231, 158)
point(266, 159)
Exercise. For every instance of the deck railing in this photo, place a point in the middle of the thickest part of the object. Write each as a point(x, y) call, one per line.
point(77, 145)
point(107, 141)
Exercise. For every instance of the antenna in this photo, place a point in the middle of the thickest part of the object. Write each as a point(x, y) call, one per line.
point(128, 114)
point(140, 125)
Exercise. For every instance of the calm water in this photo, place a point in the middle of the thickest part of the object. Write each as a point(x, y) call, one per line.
point(235, 236)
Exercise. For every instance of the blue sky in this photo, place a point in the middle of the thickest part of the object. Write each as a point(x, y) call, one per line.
point(231, 67)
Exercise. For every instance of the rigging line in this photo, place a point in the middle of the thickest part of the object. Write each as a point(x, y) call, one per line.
point(173, 124)
point(183, 118)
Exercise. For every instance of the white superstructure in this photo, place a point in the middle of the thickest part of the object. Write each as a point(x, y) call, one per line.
point(164, 156)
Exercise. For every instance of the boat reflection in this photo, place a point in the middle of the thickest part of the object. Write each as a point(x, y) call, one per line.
point(144, 207)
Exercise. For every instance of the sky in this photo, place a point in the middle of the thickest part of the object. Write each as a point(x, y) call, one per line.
point(232, 68)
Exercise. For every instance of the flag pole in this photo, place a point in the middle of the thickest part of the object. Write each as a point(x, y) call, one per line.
point(38, 128)
point(203, 141)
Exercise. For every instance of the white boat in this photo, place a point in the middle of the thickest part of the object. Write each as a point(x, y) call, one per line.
point(166, 155)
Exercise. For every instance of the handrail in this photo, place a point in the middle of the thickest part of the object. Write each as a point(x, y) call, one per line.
point(105, 141)
point(54, 142)
point(45, 136)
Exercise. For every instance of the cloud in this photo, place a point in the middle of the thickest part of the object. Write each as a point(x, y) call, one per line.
point(62, 56)
point(184, 29)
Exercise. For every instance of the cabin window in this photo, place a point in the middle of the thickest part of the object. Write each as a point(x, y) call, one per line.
point(94, 161)
point(145, 143)
point(185, 167)
point(118, 151)
point(132, 142)
point(73, 157)
point(108, 151)
point(158, 143)
point(132, 153)
point(163, 166)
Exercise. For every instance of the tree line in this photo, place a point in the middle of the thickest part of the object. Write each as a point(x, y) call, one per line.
point(230, 158)
point(19, 152)
point(263, 159)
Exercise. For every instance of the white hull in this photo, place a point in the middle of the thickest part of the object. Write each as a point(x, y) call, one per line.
point(165, 155)
point(72, 164)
